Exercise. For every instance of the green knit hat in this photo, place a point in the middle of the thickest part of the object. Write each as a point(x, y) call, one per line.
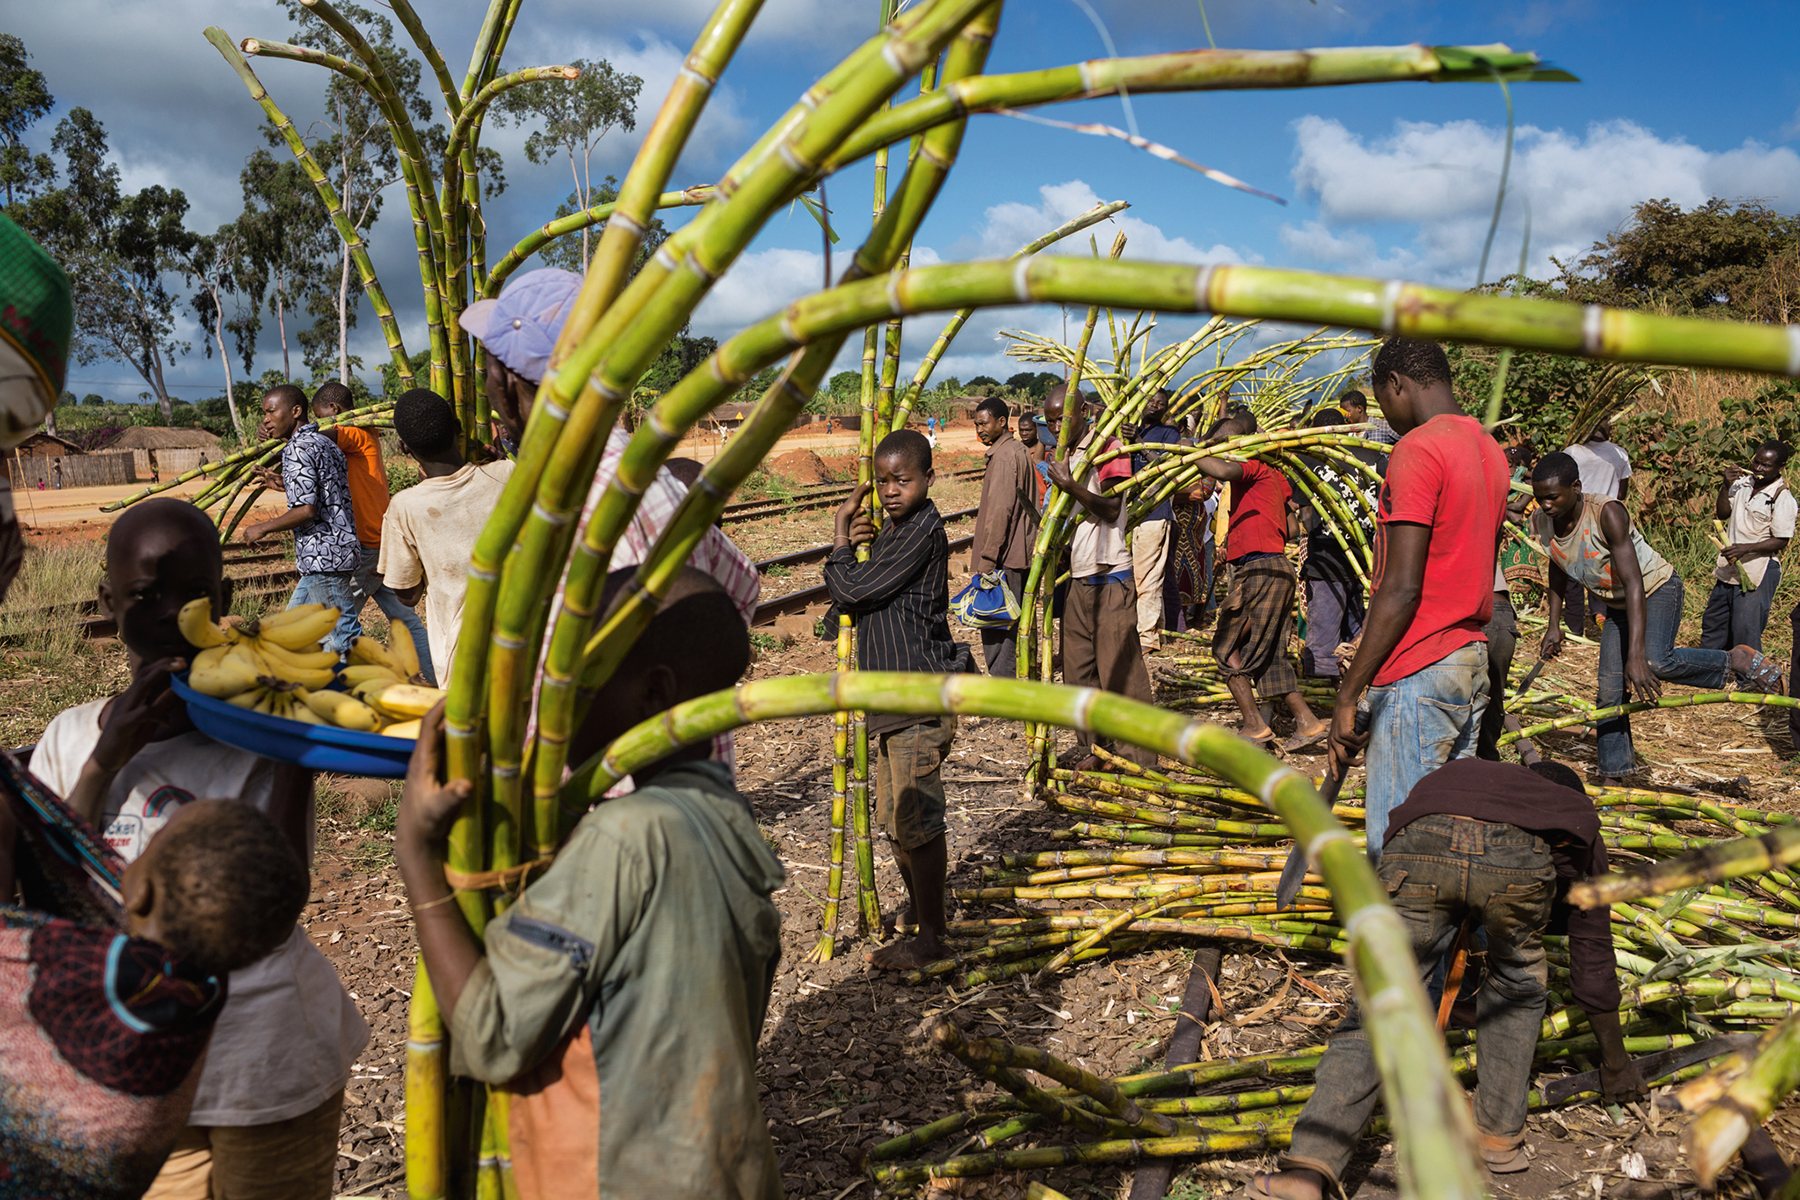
point(37, 318)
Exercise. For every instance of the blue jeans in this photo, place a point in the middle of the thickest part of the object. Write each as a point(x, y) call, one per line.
point(1440, 871)
point(1735, 617)
point(337, 590)
point(368, 586)
point(1695, 668)
point(1334, 615)
point(1419, 723)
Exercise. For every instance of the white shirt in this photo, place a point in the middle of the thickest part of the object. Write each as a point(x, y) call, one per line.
point(1098, 547)
point(1756, 517)
point(427, 537)
point(288, 1035)
point(1604, 465)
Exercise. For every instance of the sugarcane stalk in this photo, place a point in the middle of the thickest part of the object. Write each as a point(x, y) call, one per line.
point(353, 243)
point(1745, 583)
point(1719, 1130)
point(928, 364)
point(1192, 71)
point(1715, 863)
point(496, 278)
point(1690, 700)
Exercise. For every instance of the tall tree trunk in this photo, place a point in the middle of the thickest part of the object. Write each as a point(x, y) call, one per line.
point(218, 300)
point(343, 301)
point(163, 402)
point(287, 368)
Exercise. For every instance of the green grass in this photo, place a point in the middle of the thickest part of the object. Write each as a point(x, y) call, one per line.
point(50, 668)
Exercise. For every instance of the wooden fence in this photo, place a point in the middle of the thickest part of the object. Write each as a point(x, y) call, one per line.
point(78, 470)
point(169, 463)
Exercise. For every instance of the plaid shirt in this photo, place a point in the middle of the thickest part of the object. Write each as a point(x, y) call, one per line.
point(716, 554)
point(313, 472)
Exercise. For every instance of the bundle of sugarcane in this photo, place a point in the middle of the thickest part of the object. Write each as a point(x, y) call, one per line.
point(1723, 959)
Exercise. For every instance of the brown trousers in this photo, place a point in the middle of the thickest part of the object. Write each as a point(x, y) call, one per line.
point(295, 1159)
point(1100, 649)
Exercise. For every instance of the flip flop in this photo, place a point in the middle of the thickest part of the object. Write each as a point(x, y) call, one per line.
point(1301, 741)
point(1258, 1187)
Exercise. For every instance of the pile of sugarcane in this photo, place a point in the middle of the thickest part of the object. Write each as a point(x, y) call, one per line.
point(524, 652)
point(1176, 855)
point(234, 483)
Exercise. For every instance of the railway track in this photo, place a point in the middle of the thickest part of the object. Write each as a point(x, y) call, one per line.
point(270, 584)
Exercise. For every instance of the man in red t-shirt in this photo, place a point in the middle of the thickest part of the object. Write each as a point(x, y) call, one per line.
point(1423, 657)
point(1251, 641)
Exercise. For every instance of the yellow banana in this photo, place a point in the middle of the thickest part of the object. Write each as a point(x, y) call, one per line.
point(250, 699)
point(402, 650)
point(370, 673)
point(266, 702)
point(311, 677)
point(303, 634)
point(195, 621)
point(365, 651)
point(300, 660)
point(404, 700)
point(288, 616)
point(239, 670)
point(340, 709)
point(208, 660)
point(299, 710)
point(402, 729)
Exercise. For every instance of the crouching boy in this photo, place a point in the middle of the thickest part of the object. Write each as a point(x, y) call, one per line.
point(621, 997)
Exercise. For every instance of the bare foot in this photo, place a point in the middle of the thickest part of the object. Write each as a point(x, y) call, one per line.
point(909, 955)
point(1286, 1185)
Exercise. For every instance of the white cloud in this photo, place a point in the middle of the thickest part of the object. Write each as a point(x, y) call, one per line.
point(805, 26)
point(1010, 224)
point(1419, 199)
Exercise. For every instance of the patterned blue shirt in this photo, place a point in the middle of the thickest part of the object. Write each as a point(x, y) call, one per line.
point(313, 472)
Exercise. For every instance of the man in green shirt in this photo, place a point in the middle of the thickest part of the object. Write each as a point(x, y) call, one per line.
point(621, 997)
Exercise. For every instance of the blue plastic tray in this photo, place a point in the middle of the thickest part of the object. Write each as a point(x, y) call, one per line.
point(319, 747)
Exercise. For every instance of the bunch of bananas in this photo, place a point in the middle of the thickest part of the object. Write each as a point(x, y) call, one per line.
point(276, 665)
point(382, 677)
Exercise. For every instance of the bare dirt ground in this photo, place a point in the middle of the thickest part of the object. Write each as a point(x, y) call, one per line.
point(842, 1064)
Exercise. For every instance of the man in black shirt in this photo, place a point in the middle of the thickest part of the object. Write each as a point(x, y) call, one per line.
point(1496, 844)
point(901, 599)
point(1336, 598)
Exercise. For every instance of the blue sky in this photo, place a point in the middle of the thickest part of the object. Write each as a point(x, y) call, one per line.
point(1394, 179)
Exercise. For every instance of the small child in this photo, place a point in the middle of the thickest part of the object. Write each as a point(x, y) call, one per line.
point(108, 1007)
point(369, 498)
point(622, 995)
point(901, 599)
point(267, 1112)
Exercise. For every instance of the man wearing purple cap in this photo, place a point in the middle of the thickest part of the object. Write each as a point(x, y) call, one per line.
point(518, 330)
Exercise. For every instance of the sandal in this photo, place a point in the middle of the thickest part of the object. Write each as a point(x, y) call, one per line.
point(1258, 1187)
point(1301, 741)
point(1750, 667)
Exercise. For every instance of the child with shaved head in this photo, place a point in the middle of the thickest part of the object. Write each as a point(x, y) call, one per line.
point(265, 1118)
point(621, 996)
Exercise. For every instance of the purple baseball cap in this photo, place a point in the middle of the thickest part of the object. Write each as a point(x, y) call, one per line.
point(520, 326)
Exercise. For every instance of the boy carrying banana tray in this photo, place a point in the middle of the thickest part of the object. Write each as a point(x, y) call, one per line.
point(265, 1118)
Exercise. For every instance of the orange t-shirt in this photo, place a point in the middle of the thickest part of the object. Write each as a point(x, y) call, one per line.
point(368, 481)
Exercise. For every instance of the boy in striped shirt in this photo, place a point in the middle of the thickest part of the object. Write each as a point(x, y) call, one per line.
point(901, 599)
